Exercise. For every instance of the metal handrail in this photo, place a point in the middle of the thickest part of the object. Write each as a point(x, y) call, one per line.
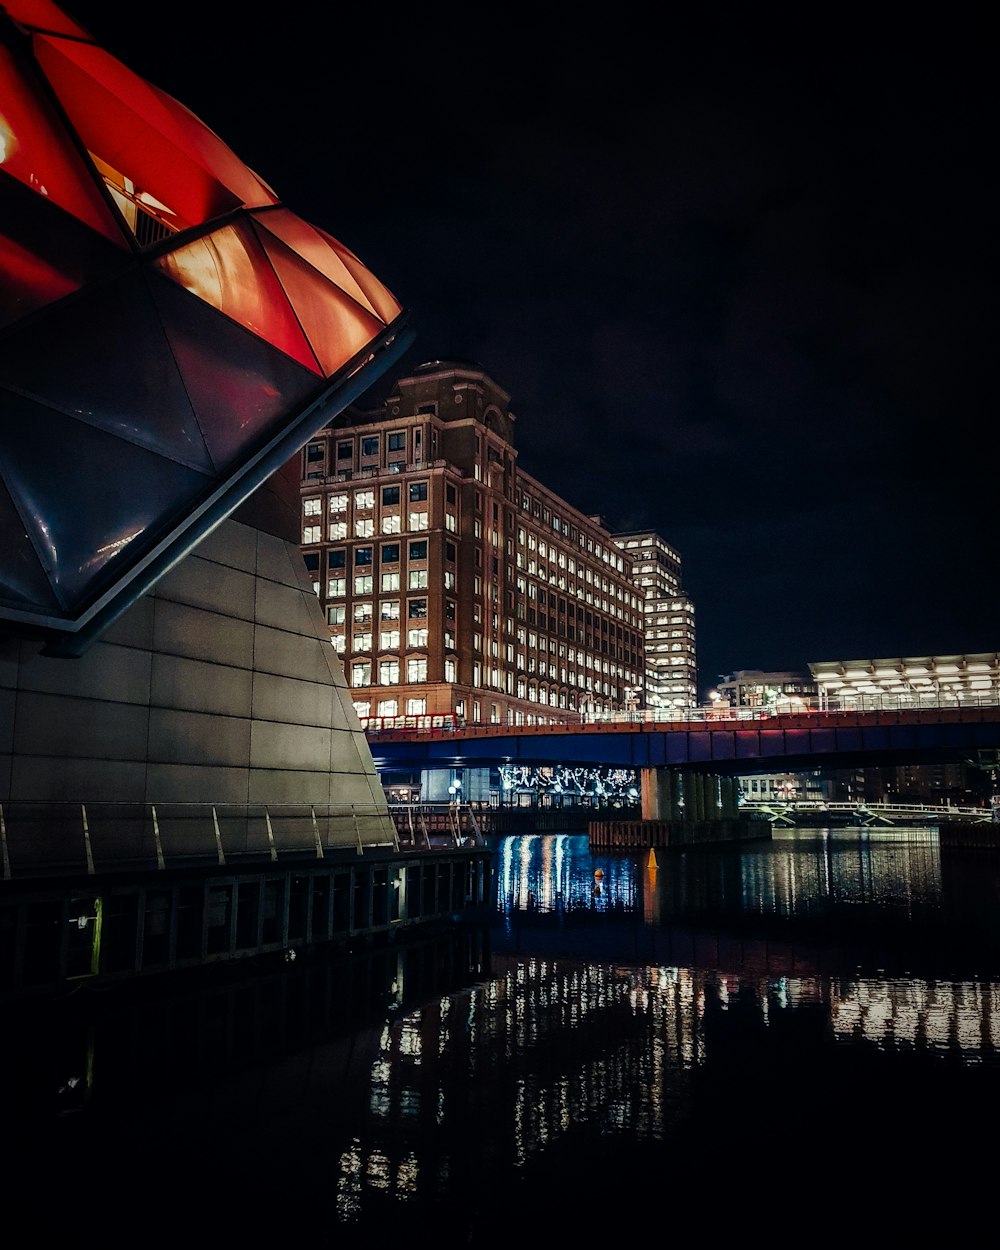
point(45, 837)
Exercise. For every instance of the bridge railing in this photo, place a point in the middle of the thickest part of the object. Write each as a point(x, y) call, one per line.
point(783, 709)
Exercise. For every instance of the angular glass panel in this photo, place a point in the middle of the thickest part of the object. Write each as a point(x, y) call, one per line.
point(123, 120)
point(95, 498)
point(35, 149)
point(191, 133)
point(45, 253)
point(313, 247)
point(42, 15)
point(379, 296)
point(142, 398)
point(336, 325)
point(239, 386)
point(230, 270)
point(29, 279)
point(22, 579)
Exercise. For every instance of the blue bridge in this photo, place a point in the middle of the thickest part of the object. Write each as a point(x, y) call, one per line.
point(679, 762)
point(725, 745)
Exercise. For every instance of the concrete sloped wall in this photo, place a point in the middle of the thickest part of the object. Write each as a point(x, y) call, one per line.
point(217, 688)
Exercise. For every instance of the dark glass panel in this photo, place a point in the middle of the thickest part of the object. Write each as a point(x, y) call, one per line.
point(229, 270)
point(242, 390)
point(22, 578)
point(35, 149)
point(336, 325)
point(139, 397)
point(45, 253)
point(87, 496)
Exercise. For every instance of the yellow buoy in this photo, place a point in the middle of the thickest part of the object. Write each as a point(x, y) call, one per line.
point(651, 862)
point(598, 874)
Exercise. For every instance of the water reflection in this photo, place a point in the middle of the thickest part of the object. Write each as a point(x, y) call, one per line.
point(738, 1034)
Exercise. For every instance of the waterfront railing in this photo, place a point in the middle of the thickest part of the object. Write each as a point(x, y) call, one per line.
point(93, 837)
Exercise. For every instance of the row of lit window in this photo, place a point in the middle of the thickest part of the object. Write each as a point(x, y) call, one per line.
point(557, 556)
point(388, 640)
point(389, 670)
point(591, 597)
point(561, 526)
point(365, 527)
point(390, 707)
point(645, 544)
point(364, 583)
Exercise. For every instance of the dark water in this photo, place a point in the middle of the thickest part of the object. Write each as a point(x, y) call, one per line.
point(798, 1039)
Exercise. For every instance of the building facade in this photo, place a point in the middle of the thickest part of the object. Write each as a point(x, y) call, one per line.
point(455, 585)
point(670, 678)
point(750, 687)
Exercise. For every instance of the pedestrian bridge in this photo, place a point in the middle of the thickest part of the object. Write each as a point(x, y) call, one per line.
point(868, 815)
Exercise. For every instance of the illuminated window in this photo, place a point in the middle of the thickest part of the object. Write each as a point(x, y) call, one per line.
point(338, 503)
point(416, 637)
point(388, 707)
point(418, 579)
point(361, 673)
point(416, 707)
point(416, 669)
point(336, 587)
point(390, 581)
point(391, 524)
point(364, 499)
point(390, 610)
point(388, 672)
point(311, 533)
point(419, 521)
point(416, 609)
point(312, 507)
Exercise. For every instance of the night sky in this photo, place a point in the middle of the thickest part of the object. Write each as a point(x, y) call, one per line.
point(737, 272)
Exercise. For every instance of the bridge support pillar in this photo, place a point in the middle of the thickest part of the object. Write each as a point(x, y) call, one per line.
point(669, 794)
point(659, 793)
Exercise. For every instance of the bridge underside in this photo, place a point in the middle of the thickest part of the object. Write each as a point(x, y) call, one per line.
point(726, 752)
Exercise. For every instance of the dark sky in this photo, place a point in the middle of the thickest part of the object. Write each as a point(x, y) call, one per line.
point(737, 271)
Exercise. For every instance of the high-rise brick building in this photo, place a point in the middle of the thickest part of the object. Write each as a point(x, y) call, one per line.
point(453, 583)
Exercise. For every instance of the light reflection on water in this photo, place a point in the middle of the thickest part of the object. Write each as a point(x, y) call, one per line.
point(712, 1030)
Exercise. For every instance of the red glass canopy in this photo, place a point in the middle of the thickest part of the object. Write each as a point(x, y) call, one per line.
point(170, 331)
